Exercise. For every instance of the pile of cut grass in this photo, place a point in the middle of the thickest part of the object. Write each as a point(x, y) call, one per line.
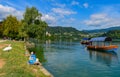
point(16, 62)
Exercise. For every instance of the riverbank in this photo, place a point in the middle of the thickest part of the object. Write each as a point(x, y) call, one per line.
point(14, 63)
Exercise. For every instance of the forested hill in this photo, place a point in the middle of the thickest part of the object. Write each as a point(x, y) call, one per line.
point(59, 29)
point(102, 30)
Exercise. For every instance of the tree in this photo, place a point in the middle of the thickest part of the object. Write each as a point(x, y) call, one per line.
point(31, 14)
point(22, 31)
point(35, 27)
point(10, 27)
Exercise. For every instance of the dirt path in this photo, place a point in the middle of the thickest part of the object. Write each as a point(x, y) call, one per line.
point(2, 63)
point(3, 45)
point(1, 74)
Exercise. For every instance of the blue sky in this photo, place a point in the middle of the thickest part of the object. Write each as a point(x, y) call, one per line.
point(80, 14)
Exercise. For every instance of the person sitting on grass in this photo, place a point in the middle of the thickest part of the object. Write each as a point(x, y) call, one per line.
point(33, 59)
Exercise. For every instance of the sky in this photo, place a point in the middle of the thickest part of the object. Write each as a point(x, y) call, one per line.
point(80, 14)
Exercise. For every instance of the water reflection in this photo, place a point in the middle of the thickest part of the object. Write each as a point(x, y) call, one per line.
point(103, 57)
point(58, 45)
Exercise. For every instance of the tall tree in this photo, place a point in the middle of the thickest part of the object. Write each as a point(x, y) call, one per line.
point(10, 26)
point(31, 14)
point(22, 31)
point(35, 27)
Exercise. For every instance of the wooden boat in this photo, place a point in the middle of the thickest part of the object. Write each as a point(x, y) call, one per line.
point(85, 41)
point(102, 47)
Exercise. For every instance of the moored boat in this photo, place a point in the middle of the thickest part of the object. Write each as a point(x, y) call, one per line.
point(103, 48)
point(85, 41)
point(96, 44)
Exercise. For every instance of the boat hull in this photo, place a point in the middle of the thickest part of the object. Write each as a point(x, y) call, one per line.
point(103, 48)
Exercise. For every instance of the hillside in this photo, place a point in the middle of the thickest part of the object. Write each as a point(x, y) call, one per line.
point(102, 30)
point(59, 29)
point(115, 34)
point(65, 33)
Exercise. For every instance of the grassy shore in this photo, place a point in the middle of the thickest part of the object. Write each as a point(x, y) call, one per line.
point(15, 62)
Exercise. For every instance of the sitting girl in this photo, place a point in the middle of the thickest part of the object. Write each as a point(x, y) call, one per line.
point(32, 58)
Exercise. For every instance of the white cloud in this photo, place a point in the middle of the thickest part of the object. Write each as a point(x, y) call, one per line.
point(59, 5)
point(62, 11)
point(102, 20)
point(49, 19)
point(7, 10)
point(57, 16)
point(75, 3)
point(86, 5)
point(68, 22)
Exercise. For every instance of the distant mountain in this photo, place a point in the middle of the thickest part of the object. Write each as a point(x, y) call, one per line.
point(102, 30)
point(59, 29)
point(65, 33)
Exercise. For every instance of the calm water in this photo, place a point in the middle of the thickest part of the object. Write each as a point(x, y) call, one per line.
point(71, 59)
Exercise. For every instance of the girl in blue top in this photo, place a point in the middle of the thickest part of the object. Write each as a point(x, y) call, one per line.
point(32, 58)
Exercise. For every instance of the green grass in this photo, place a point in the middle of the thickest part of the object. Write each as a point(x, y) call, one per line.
point(16, 62)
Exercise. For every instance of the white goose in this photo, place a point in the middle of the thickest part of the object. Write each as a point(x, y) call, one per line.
point(7, 48)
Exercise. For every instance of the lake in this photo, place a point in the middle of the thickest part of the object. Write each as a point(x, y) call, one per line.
point(71, 59)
